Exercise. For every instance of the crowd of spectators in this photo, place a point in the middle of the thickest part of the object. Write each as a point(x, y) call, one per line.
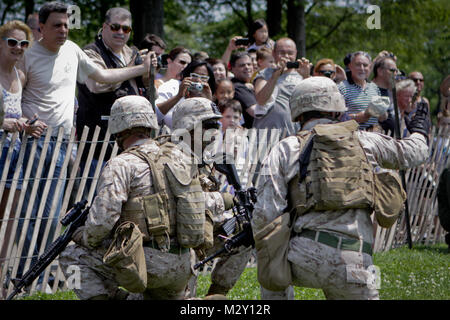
point(251, 83)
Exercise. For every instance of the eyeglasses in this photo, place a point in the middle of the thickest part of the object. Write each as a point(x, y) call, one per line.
point(326, 71)
point(116, 27)
point(417, 80)
point(12, 43)
point(199, 76)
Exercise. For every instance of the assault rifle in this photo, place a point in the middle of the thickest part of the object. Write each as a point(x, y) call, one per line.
point(74, 219)
point(243, 214)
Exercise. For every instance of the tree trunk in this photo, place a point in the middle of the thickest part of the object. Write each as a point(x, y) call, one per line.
point(248, 8)
point(273, 17)
point(148, 17)
point(29, 8)
point(296, 25)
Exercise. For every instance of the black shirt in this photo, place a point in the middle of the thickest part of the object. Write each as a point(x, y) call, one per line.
point(246, 97)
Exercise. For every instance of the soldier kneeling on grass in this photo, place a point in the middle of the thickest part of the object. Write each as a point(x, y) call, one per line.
point(317, 191)
point(149, 210)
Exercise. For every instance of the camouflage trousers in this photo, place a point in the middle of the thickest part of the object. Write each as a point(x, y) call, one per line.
point(167, 274)
point(341, 274)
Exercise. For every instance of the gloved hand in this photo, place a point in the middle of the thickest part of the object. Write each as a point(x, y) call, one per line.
point(228, 200)
point(420, 123)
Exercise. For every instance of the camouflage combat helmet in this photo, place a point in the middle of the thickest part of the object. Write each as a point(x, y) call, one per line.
point(131, 112)
point(316, 94)
point(192, 111)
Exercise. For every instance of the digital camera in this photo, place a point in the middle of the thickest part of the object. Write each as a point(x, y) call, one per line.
point(196, 86)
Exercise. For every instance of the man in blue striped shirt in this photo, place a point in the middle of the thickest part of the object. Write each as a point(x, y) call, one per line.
point(358, 92)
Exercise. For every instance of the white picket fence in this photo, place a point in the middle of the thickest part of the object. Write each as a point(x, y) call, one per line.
point(421, 196)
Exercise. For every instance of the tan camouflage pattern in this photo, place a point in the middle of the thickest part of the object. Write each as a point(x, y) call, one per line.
point(188, 113)
point(131, 112)
point(287, 294)
point(281, 165)
point(316, 265)
point(125, 176)
point(228, 269)
point(316, 94)
point(167, 274)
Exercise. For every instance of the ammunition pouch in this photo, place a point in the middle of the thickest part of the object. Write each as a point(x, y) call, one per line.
point(126, 257)
point(390, 197)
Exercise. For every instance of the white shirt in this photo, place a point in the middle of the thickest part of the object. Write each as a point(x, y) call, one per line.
point(51, 82)
point(167, 90)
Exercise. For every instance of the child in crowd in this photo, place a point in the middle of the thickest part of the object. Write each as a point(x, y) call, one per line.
point(259, 35)
point(224, 91)
point(235, 138)
point(264, 58)
point(231, 114)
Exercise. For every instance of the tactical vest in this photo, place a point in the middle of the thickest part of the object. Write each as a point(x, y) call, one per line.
point(156, 215)
point(338, 174)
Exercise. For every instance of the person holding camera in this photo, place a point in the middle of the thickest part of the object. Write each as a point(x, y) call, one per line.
point(109, 50)
point(274, 86)
point(197, 80)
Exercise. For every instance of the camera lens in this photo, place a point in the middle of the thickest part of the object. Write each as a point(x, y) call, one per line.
point(196, 86)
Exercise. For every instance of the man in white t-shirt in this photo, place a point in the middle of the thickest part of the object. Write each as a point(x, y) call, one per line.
point(54, 64)
point(52, 67)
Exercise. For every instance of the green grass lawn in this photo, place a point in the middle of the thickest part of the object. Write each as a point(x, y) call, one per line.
point(420, 273)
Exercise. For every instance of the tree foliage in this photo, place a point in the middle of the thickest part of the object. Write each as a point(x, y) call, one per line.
point(416, 31)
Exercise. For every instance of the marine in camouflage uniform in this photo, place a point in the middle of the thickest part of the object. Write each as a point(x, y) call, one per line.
point(124, 180)
point(331, 249)
point(187, 116)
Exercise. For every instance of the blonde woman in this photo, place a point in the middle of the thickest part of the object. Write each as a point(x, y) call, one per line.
point(15, 38)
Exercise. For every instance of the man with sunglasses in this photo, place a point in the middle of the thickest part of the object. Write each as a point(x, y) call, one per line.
point(108, 51)
point(418, 79)
point(383, 69)
point(52, 67)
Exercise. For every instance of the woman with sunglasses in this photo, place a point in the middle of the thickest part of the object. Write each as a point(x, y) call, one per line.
point(325, 68)
point(15, 38)
point(170, 87)
point(197, 80)
point(177, 59)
